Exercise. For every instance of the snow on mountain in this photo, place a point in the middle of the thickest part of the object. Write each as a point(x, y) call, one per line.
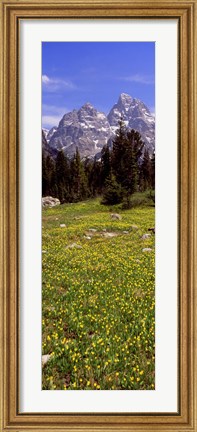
point(51, 132)
point(45, 132)
point(89, 129)
point(135, 115)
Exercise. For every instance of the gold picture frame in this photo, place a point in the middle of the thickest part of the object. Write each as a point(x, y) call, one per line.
point(12, 11)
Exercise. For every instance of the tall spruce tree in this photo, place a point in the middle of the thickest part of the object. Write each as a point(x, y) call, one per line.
point(95, 178)
point(79, 185)
point(48, 176)
point(112, 193)
point(45, 185)
point(118, 153)
point(146, 171)
point(133, 154)
point(62, 177)
point(105, 163)
point(88, 164)
point(127, 149)
point(153, 171)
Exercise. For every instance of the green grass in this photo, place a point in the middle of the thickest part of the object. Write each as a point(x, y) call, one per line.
point(98, 319)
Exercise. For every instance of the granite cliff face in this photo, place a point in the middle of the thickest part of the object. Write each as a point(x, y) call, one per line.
point(89, 129)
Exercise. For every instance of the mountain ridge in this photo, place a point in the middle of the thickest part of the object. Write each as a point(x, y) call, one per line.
point(89, 129)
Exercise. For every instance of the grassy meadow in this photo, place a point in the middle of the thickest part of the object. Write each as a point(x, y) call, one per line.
point(98, 298)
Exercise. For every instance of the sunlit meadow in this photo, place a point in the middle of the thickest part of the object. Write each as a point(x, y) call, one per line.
point(98, 298)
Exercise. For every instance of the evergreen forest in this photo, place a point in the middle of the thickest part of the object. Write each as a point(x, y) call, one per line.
point(120, 171)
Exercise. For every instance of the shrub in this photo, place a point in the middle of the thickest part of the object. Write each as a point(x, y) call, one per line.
point(151, 195)
point(138, 199)
point(112, 192)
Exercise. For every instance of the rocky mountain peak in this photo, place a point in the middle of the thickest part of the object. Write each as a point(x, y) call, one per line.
point(87, 111)
point(89, 129)
point(124, 100)
point(88, 107)
point(135, 115)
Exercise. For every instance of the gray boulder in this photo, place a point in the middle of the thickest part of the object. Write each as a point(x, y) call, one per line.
point(146, 236)
point(116, 216)
point(45, 359)
point(146, 250)
point(74, 245)
point(49, 201)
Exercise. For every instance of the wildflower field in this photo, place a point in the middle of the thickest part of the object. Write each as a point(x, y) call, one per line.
point(98, 298)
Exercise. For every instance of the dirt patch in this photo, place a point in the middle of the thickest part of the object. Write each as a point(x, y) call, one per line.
point(69, 334)
point(110, 234)
point(67, 380)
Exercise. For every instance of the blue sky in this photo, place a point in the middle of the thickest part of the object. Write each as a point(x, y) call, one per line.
point(97, 72)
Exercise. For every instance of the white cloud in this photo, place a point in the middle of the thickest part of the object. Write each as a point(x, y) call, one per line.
point(51, 115)
point(45, 79)
point(137, 78)
point(48, 121)
point(55, 84)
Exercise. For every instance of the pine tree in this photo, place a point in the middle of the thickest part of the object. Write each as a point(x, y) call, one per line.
point(95, 179)
point(146, 171)
point(133, 154)
point(45, 185)
point(48, 175)
point(79, 185)
point(118, 153)
point(62, 177)
point(126, 152)
point(105, 163)
point(153, 171)
point(112, 191)
point(88, 164)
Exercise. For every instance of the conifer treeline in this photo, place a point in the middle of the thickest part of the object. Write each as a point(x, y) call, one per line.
point(119, 173)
